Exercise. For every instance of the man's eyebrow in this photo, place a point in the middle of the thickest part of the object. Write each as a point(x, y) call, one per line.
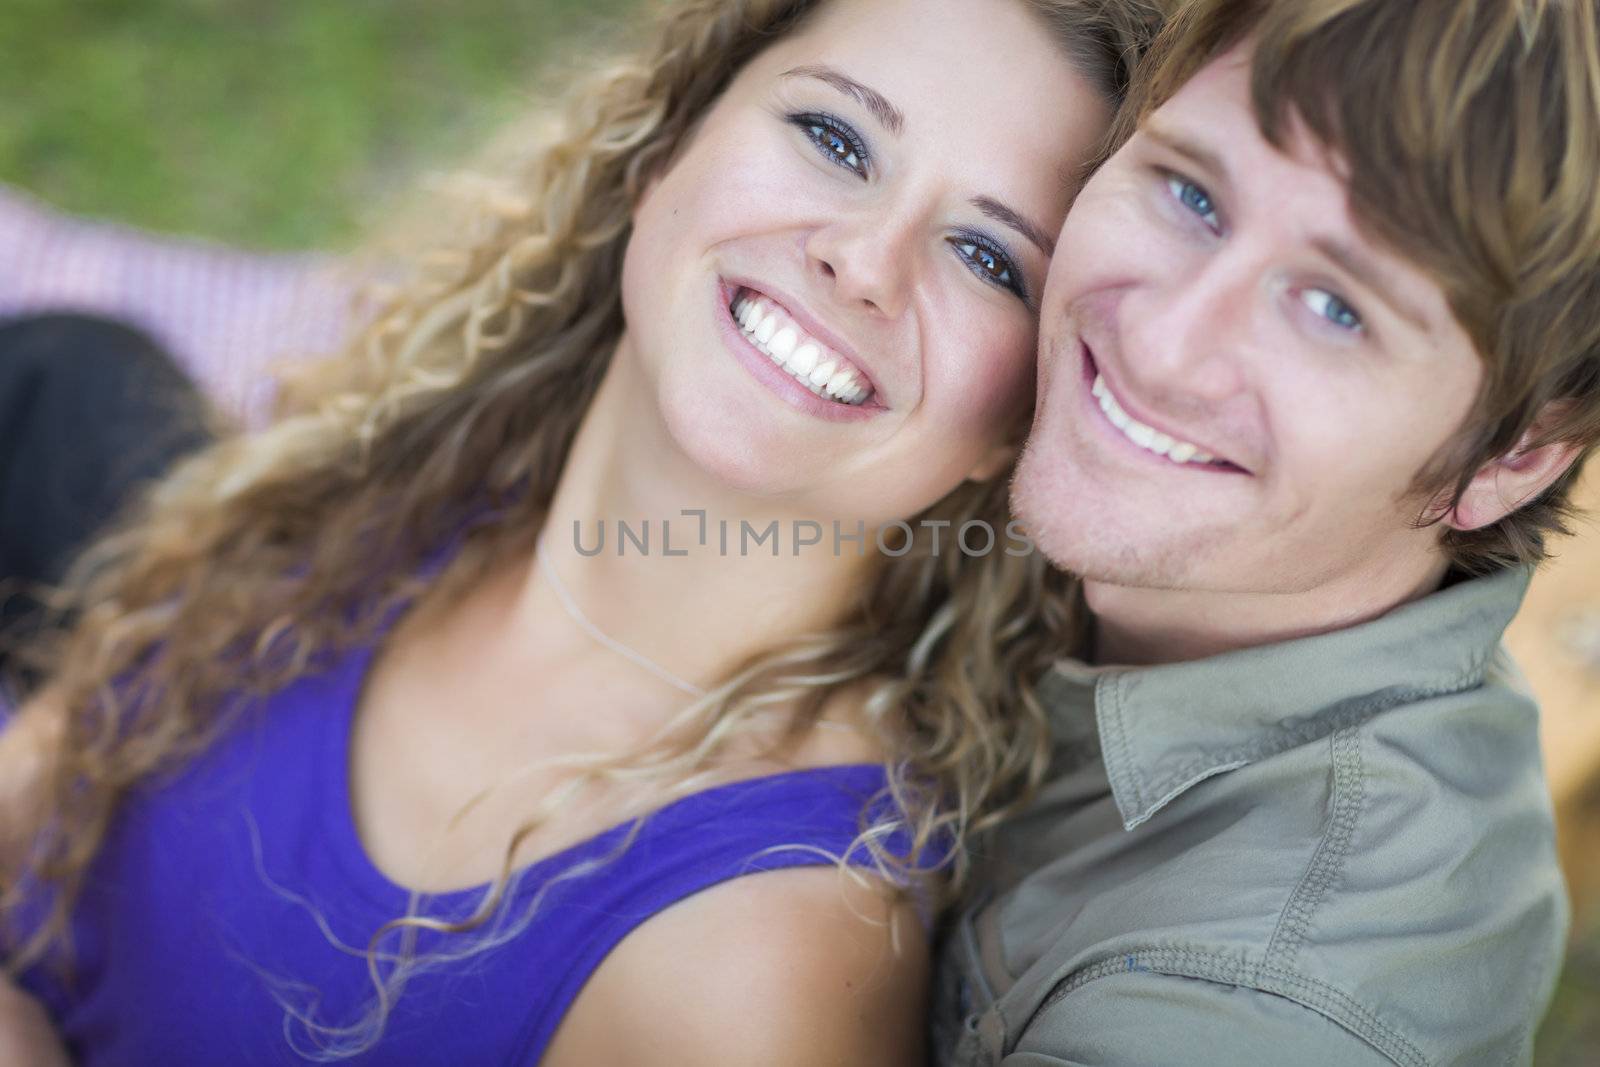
point(871, 99)
point(1372, 275)
point(1195, 152)
point(999, 212)
point(1360, 266)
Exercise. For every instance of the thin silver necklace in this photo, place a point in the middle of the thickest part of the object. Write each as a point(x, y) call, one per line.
point(571, 607)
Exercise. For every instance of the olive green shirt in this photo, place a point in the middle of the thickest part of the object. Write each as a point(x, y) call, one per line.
point(1333, 850)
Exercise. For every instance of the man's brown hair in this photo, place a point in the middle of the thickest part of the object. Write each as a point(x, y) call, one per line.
point(1471, 134)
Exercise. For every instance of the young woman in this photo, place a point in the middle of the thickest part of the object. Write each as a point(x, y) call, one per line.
point(357, 747)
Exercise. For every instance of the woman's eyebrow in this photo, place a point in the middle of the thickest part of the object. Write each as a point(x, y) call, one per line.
point(1000, 213)
point(895, 121)
point(869, 98)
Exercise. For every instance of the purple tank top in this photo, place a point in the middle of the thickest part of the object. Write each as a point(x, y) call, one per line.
point(208, 895)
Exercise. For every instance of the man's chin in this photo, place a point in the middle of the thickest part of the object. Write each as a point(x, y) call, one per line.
point(1107, 562)
point(1096, 548)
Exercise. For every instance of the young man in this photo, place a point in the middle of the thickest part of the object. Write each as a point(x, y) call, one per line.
point(1320, 353)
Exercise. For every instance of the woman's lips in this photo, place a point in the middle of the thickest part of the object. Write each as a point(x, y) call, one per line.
point(779, 380)
point(774, 331)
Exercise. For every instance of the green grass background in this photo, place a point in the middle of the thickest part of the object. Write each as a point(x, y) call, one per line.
point(279, 123)
point(268, 123)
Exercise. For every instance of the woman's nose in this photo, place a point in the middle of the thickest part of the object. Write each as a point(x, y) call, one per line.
point(869, 260)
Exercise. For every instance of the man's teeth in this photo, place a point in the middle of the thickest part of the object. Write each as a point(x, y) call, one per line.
point(774, 333)
point(1144, 436)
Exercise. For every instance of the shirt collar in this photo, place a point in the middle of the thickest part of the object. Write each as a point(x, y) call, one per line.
point(1165, 728)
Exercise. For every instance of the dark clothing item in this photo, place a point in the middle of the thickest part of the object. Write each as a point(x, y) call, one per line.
point(90, 411)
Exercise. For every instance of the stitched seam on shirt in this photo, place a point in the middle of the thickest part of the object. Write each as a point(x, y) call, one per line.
point(1311, 729)
point(1282, 740)
point(1349, 794)
point(1126, 770)
point(1319, 996)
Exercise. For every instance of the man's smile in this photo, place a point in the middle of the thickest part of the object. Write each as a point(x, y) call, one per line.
point(1158, 442)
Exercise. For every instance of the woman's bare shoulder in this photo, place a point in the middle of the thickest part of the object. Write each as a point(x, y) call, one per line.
point(801, 966)
point(26, 741)
point(29, 733)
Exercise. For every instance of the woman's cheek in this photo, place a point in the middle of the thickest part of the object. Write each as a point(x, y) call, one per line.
point(1016, 397)
point(752, 181)
point(994, 377)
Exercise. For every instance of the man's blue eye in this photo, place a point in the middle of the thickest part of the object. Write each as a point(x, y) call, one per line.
point(834, 139)
point(1330, 307)
point(1194, 198)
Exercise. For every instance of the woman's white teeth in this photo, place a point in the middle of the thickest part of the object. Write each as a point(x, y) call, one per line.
point(803, 362)
point(783, 343)
point(770, 329)
point(1146, 437)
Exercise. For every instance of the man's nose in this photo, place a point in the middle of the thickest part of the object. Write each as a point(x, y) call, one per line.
point(1192, 332)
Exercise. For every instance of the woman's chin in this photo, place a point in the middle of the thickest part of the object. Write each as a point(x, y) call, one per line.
point(738, 446)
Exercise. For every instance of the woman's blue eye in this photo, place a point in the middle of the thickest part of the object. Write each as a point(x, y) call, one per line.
point(989, 262)
point(1326, 305)
point(1194, 198)
point(835, 139)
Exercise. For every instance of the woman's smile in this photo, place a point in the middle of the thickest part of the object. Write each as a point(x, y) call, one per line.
point(785, 349)
point(782, 382)
point(772, 328)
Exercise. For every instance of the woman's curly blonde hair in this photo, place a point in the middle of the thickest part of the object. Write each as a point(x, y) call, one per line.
point(254, 560)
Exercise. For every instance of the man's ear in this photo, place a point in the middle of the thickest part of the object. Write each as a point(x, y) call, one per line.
point(1503, 485)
